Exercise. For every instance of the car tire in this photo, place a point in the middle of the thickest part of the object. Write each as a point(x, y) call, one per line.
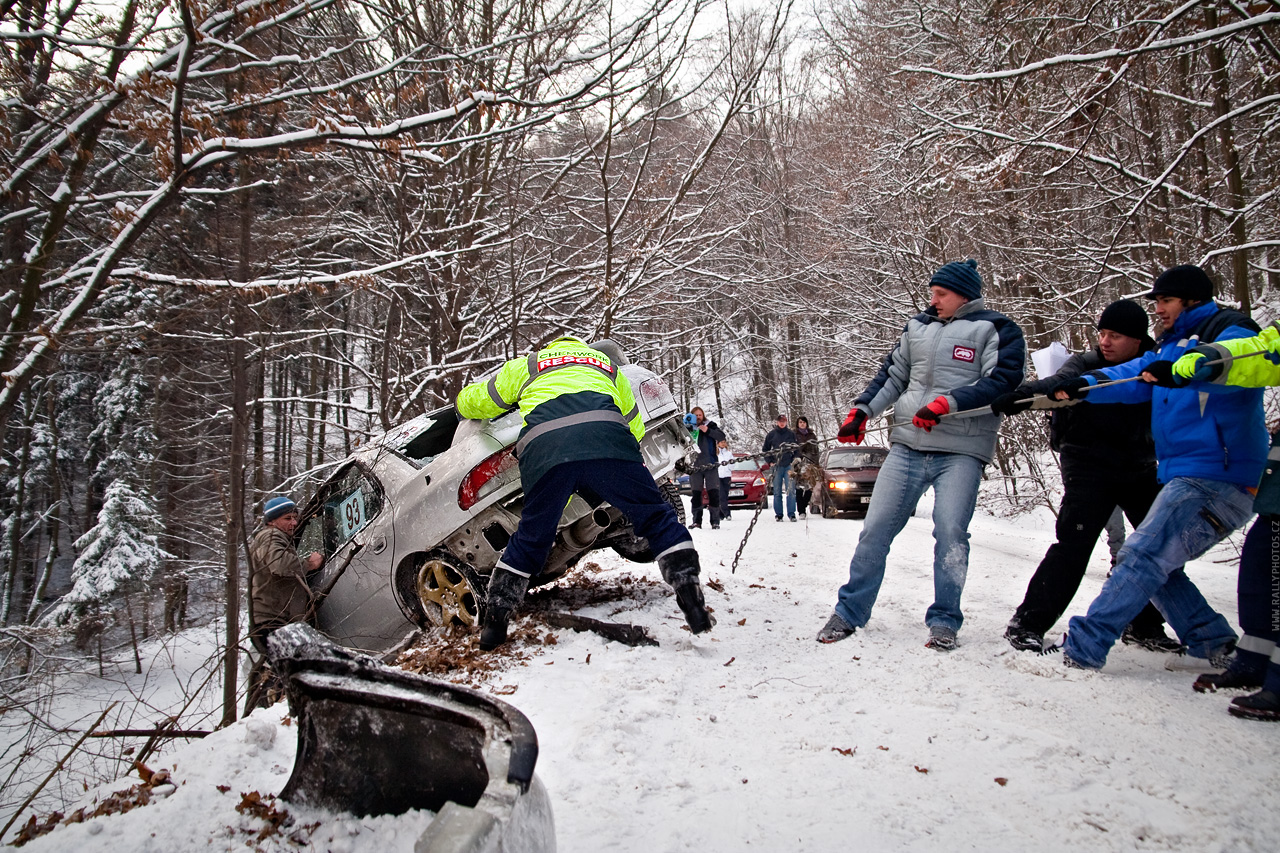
point(436, 590)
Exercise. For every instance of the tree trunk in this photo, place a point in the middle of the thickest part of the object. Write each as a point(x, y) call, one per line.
point(1231, 160)
point(239, 445)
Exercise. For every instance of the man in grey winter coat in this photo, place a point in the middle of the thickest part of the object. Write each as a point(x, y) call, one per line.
point(953, 357)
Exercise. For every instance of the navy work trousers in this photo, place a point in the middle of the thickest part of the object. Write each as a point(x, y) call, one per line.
point(626, 485)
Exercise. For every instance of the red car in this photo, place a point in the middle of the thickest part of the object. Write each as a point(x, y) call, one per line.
point(747, 486)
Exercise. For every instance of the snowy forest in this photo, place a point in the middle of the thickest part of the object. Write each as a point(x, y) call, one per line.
point(242, 238)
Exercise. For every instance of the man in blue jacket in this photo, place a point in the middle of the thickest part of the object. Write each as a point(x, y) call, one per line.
point(955, 356)
point(1211, 445)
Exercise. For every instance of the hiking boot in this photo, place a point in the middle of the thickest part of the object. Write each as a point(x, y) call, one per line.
point(697, 525)
point(777, 518)
point(791, 518)
point(1024, 639)
point(1217, 661)
point(941, 638)
point(715, 527)
point(1263, 705)
point(1236, 676)
point(835, 630)
point(1157, 642)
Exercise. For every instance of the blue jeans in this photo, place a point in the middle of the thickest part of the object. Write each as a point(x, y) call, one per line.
point(782, 483)
point(903, 479)
point(1189, 516)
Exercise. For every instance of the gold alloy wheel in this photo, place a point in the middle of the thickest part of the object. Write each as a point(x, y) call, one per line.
point(444, 586)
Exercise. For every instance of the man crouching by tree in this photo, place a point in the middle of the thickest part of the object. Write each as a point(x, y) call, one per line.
point(956, 355)
point(278, 589)
point(582, 431)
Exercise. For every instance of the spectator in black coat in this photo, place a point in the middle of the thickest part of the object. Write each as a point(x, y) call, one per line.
point(1108, 460)
point(780, 440)
point(708, 436)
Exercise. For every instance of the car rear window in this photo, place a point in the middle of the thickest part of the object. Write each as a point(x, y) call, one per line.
point(435, 437)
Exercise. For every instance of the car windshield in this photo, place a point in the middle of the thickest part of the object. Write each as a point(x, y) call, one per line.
point(343, 507)
point(855, 459)
point(745, 465)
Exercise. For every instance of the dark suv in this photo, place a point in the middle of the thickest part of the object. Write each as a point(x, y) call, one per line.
point(850, 476)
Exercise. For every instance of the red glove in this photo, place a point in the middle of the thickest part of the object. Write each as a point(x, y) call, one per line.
point(854, 428)
point(928, 416)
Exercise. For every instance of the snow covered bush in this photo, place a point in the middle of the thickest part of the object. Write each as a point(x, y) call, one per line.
point(118, 554)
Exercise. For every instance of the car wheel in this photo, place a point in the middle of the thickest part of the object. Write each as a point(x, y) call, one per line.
point(438, 592)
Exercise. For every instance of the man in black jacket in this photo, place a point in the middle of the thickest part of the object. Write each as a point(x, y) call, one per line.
point(1108, 459)
point(708, 436)
point(781, 440)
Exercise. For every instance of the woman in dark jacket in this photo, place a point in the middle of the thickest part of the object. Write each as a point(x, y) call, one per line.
point(809, 453)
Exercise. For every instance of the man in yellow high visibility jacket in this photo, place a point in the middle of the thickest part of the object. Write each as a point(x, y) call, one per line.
point(581, 434)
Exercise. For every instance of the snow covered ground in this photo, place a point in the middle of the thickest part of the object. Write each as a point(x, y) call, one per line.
point(756, 737)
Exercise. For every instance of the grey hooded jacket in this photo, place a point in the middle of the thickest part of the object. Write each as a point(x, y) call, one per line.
point(970, 359)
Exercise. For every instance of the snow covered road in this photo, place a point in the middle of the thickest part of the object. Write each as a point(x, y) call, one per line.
point(756, 737)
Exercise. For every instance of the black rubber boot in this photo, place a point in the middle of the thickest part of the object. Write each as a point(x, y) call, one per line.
point(506, 591)
point(681, 570)
point(493, 631)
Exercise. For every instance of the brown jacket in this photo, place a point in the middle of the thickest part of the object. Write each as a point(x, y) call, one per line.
point(279, 585)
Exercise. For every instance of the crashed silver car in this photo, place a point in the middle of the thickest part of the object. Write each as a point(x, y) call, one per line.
point(412, 524)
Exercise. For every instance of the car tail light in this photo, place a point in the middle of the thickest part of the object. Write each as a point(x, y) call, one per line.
point(656, 395)
point(487, 477)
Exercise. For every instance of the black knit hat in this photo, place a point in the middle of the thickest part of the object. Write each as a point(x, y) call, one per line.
point(1187, 281)
point(961, 278)
point(1126, 317)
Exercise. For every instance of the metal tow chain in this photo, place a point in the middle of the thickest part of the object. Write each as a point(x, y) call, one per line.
point(743, 544)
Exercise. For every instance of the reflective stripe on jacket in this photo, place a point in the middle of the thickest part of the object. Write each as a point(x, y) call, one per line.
point(575, 404)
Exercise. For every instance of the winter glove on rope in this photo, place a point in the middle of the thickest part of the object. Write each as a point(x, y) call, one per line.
point(1013, 403)
point(854, 428)
point(928, 416)
point(1161, 373)
point(1194, 365)
point(1075, 387)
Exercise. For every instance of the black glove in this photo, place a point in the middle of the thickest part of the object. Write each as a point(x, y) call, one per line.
point(1162, 372)
point(1013, 403)
point(1075, 387)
